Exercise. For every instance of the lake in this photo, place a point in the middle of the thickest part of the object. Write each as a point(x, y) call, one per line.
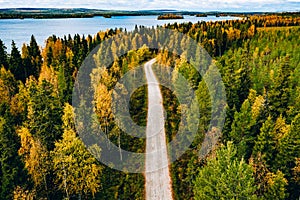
point(21, 30)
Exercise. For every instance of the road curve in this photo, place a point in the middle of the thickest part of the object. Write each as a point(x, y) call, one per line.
point(157, 175)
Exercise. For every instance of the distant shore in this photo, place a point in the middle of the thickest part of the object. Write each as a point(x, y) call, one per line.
point(48, 13)
point(169, 16)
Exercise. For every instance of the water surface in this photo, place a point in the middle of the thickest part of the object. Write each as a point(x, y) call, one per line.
point(21, 30)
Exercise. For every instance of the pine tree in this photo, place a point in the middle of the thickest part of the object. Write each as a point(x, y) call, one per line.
point(225, 177)
point(62, 86)
point(265, 143)
point(15, 63)
point(26, 61)
point(204, 102)
point(10, 164)
point(269, 141)
point(241, 130)
point(288, 152)
point(289, 146)
point(34, 54)
point(3, 56)
point(44, 113)
point(279, 92)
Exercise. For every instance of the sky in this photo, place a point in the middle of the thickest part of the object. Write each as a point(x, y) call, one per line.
point(192, 5)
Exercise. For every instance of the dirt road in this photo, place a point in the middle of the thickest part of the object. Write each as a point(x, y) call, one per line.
point(158, 181)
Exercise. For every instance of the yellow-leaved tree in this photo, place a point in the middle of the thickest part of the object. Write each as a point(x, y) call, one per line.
point(77, 171)
point(36, 160)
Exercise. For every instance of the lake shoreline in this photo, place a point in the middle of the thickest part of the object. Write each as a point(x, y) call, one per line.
point(21, 30)
point(2, 17)
point(57, 13)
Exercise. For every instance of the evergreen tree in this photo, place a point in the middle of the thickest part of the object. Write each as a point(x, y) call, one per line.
point(10, 164)
point(265, 143)
point(289, 151)
point(279, 92)
point(241, 130)
point(225, 177)
point(28, 69)
point(44, 113)
point(3, 55)
point(15, 63)
point(269, 140)
point(34, 54)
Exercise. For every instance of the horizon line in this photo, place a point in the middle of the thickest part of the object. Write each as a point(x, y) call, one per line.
point(175, 10)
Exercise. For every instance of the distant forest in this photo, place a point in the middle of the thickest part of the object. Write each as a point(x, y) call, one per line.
point(41, 13)
point(257, 156)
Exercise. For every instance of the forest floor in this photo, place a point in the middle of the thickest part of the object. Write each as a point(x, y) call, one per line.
point(158, 181)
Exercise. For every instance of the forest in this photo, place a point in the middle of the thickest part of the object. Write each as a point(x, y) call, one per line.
point(169, 16)
point(46, 13)
point(256, 157)
point(42, 13)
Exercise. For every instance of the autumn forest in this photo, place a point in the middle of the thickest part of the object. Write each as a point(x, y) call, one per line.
point(257, 155)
